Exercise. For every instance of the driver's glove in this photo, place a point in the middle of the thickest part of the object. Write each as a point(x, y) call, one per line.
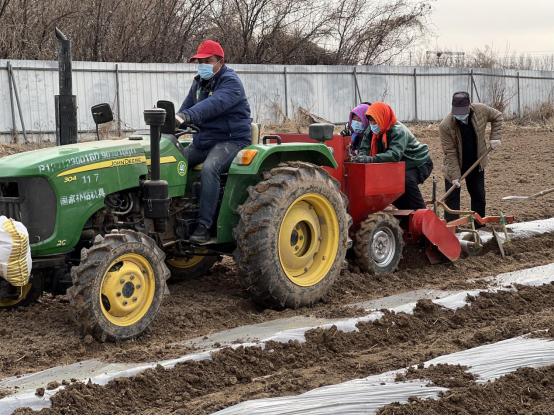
point(182, 118)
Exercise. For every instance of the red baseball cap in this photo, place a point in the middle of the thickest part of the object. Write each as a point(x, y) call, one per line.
point(208, 48)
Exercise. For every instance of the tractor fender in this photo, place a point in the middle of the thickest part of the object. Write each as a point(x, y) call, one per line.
point(241, 177)
point(269, 156)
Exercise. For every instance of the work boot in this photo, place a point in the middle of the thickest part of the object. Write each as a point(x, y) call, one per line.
point(201, 235)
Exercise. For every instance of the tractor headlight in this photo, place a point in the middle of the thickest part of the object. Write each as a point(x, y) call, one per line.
point(245, 157)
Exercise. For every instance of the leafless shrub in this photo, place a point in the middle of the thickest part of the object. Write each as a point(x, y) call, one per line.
point(542, 114)
point(499, 95)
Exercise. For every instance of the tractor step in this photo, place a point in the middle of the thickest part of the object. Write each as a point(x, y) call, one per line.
point(211, 241)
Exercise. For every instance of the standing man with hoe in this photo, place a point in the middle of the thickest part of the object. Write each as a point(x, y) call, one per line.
point(462, 134)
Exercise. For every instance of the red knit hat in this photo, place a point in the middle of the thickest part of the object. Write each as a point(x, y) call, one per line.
point(208, 48)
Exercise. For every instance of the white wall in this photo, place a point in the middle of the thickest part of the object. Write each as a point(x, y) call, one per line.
point(328, 91)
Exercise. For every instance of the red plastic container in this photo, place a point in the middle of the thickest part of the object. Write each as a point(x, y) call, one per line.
point(371, 187)
point(339, 145)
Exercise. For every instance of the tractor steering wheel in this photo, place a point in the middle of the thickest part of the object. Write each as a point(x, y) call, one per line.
point(190, 129)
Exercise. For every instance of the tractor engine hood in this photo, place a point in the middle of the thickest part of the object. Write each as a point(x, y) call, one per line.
point(74, 158)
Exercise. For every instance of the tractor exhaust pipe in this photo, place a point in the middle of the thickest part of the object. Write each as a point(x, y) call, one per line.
point(155, 118)
point(65, 102)
point(155, 190)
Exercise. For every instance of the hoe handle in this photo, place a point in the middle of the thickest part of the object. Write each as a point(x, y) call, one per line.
point(466, 173)
point(541, 193)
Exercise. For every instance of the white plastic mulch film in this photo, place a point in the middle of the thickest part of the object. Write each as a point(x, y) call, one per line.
point(15, 252)
point(367, 395)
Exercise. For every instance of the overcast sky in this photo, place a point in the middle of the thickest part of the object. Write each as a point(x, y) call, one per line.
point(520, 26)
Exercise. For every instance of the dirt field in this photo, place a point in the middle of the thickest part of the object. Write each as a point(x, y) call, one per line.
point(43, 335)
point(328, 356)
point(527, 391)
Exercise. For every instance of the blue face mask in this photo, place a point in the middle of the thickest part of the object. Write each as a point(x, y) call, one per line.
point(206, 71)
point(375, 128)
point(357, 126)
point(462, 118)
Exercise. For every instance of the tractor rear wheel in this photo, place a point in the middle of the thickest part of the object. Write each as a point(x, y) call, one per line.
point(119, 286)
point(292, 236)
point(184, 268)
point(378, 244)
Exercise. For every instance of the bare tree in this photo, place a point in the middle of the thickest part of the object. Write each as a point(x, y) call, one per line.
point(268, 31)
point(375, 33)
point(251, 31)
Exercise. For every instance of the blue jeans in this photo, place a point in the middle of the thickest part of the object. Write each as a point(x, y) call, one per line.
point(216, 161)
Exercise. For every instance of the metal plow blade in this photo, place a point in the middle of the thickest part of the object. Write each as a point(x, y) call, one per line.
point(442, 241)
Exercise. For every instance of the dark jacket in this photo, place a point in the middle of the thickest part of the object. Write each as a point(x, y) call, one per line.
point(219, 108)
point(402, 146)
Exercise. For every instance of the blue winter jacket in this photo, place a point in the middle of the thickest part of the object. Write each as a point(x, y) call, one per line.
point(219, 108)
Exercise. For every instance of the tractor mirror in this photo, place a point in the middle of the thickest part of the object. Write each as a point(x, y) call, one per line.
point(102, 113)
point(321, 131)
point(169, 125)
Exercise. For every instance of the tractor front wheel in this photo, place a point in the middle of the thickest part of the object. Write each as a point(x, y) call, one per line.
point(292, 236)
point(119, 286)
point(378, 244)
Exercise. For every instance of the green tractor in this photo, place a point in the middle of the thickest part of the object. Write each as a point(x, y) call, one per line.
point(109, 222)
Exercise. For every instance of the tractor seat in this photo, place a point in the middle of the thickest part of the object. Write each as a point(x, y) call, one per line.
point(255, 140)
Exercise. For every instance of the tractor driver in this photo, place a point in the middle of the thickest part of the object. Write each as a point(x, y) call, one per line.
point(388, 140)
point(217, 104)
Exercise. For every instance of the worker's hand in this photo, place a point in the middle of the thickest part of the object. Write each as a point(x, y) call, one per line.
point(345, 131)
point(362, 159)
point(182, 118)
point(456, 183)
point(495, 144)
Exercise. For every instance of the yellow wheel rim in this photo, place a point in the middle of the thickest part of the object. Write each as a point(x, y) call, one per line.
point(127, 289)
point(185, 262)
point(7, 303)
point(308, 239)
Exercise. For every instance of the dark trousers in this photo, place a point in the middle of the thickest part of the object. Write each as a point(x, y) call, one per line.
point(412, 198)
point(475, 183)
point(216, 161)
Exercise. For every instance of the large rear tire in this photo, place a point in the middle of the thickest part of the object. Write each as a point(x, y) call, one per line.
point(378, 244)
point(292, 236)
point(119, 286)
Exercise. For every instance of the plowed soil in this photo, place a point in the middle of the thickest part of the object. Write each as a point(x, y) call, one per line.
point(328, 356)
point(527, 391)
point(43, 335)
point(444, 375)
